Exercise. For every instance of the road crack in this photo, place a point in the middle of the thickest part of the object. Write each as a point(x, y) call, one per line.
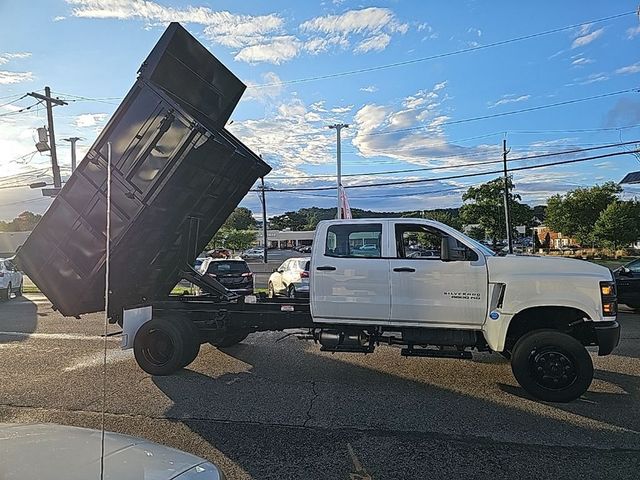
point(313, 399)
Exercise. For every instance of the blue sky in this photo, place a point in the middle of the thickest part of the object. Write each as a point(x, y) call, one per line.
point(401, 118)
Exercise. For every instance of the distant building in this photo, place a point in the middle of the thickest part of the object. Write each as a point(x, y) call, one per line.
point(286, 238)
point(10, 242)
point(558, 240)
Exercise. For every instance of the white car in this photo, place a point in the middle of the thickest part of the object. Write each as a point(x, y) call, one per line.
point(10, 279)
point(253, 253)
point(51, 452)
point(291, 278)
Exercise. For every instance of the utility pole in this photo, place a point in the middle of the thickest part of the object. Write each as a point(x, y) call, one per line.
point(507, 215)
point(73, 141)
point(338, 127)
point(264, 221)
point(49, 101)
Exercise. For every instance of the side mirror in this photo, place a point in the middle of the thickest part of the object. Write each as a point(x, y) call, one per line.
point(453, 251)
point(625, 271)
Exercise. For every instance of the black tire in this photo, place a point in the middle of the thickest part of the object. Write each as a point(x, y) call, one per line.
point(228, 339)
point(19, 292)
point(291, 291)
point(270, 292)
point(552, 366)
point(193, 341)
point(5, 294)
point(161, 346)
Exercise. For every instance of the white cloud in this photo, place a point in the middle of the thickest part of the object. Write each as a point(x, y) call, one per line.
point(584, 38)
point(221, 27)
point(582, 61)
point(375, 25)
point(633, 32)
point(7, 78)
point(439, 86)
point(509, 98)
point(89, 119)
point(376, 43)
point(344, 109)
point(7, 57)
point(277, 51)
point(59, 18)
point(267, 91)
point(474, 31)
point(369, 89)
point(634, 68)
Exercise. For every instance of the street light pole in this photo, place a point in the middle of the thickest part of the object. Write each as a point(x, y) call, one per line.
point(73, 141)
point(338, 127)
point(264, 221)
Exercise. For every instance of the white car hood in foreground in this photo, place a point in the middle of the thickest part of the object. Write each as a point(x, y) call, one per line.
point(47, 451)
point(546, 266)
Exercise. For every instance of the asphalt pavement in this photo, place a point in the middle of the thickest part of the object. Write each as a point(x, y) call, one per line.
point(276, 407)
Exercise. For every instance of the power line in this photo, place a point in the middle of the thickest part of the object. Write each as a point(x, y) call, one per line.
point(22, 110)
point(511, 112)
point(443, 55)
point(13, 101)
point(575, 130)
point(452, 177)
point(470, 164)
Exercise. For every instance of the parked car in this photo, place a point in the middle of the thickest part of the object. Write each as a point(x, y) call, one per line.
point(48, 451)
point(234, 274)
point(305, 249)
point(291, 278)
point(11, 279)
point(253, 253)
point(628, 284)
point(198, 263)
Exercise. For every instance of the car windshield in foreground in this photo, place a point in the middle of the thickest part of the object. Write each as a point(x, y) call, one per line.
point(227, 267)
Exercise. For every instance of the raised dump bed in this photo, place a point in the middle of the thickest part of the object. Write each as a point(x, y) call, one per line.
point(177, 174)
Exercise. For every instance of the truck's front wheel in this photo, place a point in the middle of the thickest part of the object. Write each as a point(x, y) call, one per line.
point(552, 365)
point(161, 346)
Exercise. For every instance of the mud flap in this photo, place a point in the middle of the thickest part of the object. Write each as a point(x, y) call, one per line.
point(132, 320)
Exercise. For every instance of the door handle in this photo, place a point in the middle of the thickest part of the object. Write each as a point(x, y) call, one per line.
point(326, 267)
point(404, 269)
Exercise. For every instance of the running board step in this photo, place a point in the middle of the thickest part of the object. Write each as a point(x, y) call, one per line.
point(424, 352)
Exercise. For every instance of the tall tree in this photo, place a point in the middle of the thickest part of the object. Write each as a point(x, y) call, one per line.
point(24, 222)
point(484, 205)
point(576, 213)
point(618, 224)
point(240, 219)
point(546, 244)
point(445, 217)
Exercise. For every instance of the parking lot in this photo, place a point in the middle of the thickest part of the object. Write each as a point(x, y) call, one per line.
point(276, 407)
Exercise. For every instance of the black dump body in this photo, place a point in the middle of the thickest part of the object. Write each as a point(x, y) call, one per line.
point(176, 177)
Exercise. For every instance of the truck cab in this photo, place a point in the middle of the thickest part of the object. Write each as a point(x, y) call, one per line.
point(424, 285)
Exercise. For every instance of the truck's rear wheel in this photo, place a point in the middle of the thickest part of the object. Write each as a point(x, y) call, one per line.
point(192, 336)
point(161, 346)
point(552, 365)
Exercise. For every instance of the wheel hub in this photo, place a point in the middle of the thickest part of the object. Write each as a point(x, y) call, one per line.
point(552, 368)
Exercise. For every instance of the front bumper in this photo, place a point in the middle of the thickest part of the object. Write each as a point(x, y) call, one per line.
point(607, 335)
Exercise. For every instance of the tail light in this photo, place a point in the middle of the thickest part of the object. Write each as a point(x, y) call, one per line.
point(304, 274)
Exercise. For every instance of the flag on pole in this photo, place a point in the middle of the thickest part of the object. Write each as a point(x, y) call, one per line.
point(344, 204)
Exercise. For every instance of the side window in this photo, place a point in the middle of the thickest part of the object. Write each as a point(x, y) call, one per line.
point(352, 241)
point(418, 241)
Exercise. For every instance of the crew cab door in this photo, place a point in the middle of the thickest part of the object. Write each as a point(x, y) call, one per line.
point(427, 291)
point(349, 274)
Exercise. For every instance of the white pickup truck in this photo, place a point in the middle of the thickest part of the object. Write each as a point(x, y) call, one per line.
point(415, 283)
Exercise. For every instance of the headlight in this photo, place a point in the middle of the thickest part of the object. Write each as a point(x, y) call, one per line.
point(609, 299)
